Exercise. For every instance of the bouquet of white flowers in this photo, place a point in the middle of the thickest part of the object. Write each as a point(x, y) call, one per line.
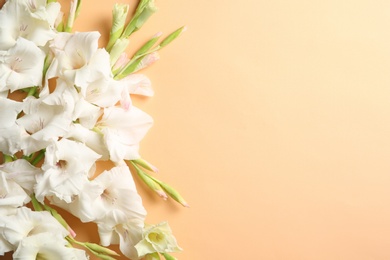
point(65, 105)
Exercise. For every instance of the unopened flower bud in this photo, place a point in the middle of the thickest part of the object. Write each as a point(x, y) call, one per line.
point(119, 14)
point(145, 164)
point(148, 60)
point(173, 194)
point(117, 50)
point(148, 10)
point(172, 36)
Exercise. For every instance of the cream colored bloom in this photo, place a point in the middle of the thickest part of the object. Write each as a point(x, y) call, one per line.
point(30, 19)
point(46, 119)
point(157, 238)
point(127, 235)
point(47, 246)
point(10, 132)
point(17, 180)
point(123, 130)
point(26, 223)
point(90, 138)
point(78, 60)
point(66, 168)
point(16, 69)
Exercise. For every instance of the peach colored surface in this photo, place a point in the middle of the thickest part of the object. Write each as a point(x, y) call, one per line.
point(273, 119)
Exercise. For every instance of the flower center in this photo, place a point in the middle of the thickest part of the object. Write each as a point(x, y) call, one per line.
point(32, 5)
point(156, 237)
point(41, 256)
point(15, 64)
point(108, 196)
point(62, 164)
point(78, 61)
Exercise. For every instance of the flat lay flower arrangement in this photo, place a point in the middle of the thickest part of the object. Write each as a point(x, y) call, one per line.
point(73, 110)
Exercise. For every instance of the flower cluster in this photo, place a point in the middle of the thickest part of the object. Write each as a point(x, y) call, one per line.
point(65, 104)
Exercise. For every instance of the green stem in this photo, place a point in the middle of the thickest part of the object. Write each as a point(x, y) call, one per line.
point(36, 205)
point(32, 91)
point(39, 157)
point(100, 251)
point(7, 158)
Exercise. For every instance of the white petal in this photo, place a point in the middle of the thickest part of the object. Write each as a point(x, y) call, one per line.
point(138, 84)
point(123, 130)
point(66, 168)
point(22, 173)
point(46, 246)
point(90, 138)
point(28, 223)
point(22, 66)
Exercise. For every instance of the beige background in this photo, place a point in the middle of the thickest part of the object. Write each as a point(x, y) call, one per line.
point(273, 120)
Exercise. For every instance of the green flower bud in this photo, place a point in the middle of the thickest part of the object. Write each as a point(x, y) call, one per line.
point(149, 44)
point(149, 9)
point(150, 182)
point(172, 36)
point(174, 194)
point(116, 50)
point(144, 10)
point(119, 14)
point(73, 13)
point(146, 165)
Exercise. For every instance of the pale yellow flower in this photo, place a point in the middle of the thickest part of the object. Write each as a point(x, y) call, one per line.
point(157, 238)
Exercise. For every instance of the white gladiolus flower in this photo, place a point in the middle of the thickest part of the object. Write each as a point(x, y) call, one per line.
point(17, 179)
point(134, 84)
point(119, 209)
point(81, 204)
point(118, 198)
point(112, 201)
point(21, 66)
point(78, 60)
point(12, 196)
point(66, 168)
point(22, 172)
point(86, 113)
point(90, 138)
point(30, 19)
point(157, 238)
point(111, 198)
point(10, 132)
point(80, 109)
point(9, 110)
point(46, 118)
point(127, 235)
point(123, 130)
point(47, 246)
point(104, 92)
point(25, 223)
